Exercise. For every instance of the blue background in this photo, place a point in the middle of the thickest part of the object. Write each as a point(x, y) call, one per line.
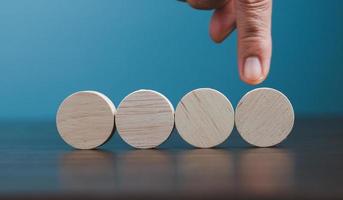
point(50, 49)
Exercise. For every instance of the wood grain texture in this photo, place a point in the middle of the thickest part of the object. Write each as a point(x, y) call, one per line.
point(264, 117)
point(145, 119)
point(85, 120)
point(204, 118)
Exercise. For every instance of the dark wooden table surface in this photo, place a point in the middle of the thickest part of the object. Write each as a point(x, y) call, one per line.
point(36, 163)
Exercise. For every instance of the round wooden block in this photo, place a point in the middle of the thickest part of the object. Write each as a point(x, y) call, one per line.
point(145, 119)
point(264, 117)
point(85, 120)
point(204, 118)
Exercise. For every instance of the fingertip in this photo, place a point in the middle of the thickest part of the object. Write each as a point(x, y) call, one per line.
point(253, 71)
point(223, 22)
point(217, 33)
point(251, 81)
point(215, 36)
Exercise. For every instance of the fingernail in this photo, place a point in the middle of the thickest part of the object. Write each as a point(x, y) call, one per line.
point(252, 69)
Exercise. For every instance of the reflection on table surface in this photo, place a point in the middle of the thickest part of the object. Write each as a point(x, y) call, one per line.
point(263, 172)
point(34, 162)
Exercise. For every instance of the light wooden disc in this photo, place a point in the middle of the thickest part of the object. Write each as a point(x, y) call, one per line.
point(145, 119)
point(204, 118)
point(85, 120)
point(264, 117)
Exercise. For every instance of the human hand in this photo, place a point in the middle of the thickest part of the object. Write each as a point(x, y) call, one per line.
point(252, 18)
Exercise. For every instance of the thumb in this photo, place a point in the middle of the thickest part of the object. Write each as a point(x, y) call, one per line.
point(254, 39)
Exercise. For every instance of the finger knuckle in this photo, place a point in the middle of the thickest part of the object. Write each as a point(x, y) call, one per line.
point(255, 18)
point(255, 4)
point(254, 28)
point(255, 8)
